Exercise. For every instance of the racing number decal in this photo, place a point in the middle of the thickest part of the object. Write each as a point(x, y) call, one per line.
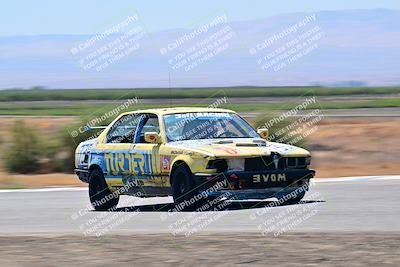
point(126, 163)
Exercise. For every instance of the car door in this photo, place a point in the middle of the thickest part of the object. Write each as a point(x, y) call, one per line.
point(117, 149)
point(147, 155)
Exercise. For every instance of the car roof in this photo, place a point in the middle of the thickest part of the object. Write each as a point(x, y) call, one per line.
point(163, 111)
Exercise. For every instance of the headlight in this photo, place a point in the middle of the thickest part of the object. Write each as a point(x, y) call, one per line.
point(235, 164)
point(219, 164)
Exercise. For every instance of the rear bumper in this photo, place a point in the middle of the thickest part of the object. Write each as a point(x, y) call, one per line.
point(254, 185)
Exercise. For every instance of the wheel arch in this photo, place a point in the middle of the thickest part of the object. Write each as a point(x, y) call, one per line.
point(95, 166)
point(175, 165)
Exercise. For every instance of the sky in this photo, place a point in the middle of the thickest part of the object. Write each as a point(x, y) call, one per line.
point(28, 17)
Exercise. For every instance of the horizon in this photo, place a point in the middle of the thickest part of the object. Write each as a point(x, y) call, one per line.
point(235, 87)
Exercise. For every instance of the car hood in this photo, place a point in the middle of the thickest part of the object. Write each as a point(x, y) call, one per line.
point(238, 147)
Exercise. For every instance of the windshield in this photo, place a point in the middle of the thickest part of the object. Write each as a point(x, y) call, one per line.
point(206, 125)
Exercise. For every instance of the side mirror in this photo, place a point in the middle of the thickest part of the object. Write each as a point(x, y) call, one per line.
point(263, 133)
point(151, 137)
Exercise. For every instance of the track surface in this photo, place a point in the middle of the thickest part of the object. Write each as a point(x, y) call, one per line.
point(307, 249)
point(355, 205)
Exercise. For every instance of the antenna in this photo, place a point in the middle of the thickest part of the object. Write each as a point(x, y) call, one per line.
point(170, 90)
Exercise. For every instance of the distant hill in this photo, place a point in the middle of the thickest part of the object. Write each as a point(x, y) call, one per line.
point(357, 47)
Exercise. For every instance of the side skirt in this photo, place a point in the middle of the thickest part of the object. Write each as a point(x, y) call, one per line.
point(147, 191)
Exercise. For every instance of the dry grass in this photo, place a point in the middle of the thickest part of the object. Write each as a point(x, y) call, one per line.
point(352, 147)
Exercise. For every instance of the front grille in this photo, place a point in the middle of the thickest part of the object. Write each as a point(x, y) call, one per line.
point(266, 163)
point(259, 164)
point(295, 162)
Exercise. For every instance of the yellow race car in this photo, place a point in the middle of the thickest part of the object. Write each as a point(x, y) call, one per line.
point(193, 154)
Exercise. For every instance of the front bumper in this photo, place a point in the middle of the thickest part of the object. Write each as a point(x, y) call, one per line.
point(254, 185)
point(82, 174)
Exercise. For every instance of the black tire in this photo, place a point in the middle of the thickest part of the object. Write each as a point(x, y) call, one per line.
point(101, 197)
point(183, 189)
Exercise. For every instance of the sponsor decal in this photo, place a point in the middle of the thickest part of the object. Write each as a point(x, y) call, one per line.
point(259, 178)
point(230, 151)
point(165, 163)
point(203, 114)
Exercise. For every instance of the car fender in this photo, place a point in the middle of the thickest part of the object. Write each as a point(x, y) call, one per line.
point(195, 164)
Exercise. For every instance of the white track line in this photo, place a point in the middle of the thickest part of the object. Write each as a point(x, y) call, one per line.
point(49, 189)
point(319, 180)
point(357, 179)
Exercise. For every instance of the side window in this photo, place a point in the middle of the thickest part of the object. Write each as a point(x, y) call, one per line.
point(150, 125)
point(123, 130)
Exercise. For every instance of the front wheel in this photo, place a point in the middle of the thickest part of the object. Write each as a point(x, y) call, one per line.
point(184, 191)
point(101, 197)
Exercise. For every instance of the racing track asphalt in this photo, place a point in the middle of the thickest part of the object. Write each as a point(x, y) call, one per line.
point(356, 205)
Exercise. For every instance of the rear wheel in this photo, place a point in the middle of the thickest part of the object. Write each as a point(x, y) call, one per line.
point(101, 197)
point(184, 191)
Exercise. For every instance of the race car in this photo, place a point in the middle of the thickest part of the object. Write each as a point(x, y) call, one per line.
point(193, 154)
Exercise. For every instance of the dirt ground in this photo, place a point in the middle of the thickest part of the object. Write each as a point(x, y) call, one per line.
point(340, 147)
point(308, 249)
point(356, 146)
point(16, 181)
